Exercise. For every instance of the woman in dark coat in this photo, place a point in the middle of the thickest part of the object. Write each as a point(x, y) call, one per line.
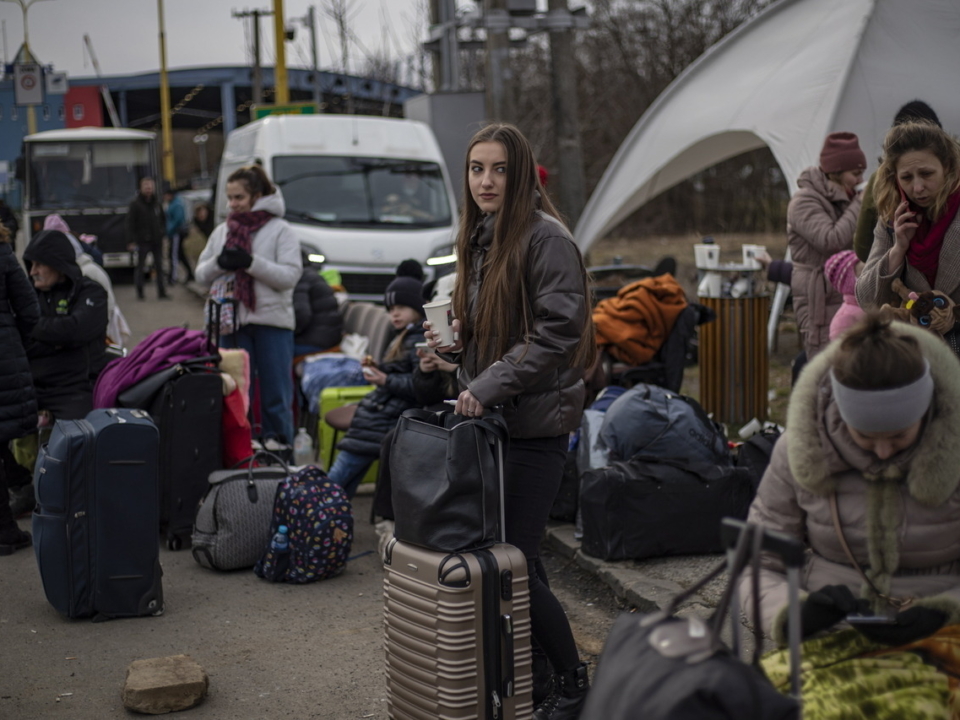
point(526, 338)
point(19, 312)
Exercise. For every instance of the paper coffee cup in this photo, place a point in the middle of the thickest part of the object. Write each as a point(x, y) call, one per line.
point(707, 256)
point(750, 253)
point(440, 315)
point(711, 285)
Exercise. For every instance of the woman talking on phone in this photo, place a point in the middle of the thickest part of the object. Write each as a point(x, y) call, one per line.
point(525, 338)
point(917, 237)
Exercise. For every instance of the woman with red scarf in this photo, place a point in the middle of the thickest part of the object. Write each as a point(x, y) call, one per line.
point(917, 238)
point(256, 254)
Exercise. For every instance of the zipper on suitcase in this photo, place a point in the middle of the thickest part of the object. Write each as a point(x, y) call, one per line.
point(490, 631)
point(89, 459)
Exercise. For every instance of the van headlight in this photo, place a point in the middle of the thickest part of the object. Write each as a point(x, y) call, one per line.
point(316, 258)
point(445, 255)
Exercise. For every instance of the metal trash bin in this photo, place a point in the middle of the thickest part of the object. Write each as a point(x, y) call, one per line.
point(734, 360)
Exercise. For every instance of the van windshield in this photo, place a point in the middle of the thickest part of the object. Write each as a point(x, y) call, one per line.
point(358, 191)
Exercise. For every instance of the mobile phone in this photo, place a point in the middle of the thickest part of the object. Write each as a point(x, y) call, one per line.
point(903, 195)
point(858, 619)
point(367, 371)
point(425, 346)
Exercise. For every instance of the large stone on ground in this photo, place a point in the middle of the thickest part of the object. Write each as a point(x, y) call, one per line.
point(160, 685)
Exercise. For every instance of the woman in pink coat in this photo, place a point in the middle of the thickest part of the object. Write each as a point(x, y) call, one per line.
point(821, 220)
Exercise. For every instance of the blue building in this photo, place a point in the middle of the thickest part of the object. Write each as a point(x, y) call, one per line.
point(206, 102)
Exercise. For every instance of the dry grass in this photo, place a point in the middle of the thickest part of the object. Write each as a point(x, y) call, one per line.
point(647, 251)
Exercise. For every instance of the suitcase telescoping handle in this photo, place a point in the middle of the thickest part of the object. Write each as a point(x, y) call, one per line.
point(791, 553)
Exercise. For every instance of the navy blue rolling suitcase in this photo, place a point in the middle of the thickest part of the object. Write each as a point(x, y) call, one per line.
point(95, 524)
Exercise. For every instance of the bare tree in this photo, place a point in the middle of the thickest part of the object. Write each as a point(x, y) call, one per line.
point(341, 12)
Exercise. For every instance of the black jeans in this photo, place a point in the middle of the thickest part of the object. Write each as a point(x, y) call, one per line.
point(534, 468)
point(143, 249)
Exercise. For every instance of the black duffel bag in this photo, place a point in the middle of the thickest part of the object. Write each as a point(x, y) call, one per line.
point(662, 667)
point(652, 507)
point(447, 473)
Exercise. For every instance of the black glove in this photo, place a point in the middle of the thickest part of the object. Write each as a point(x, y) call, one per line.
point(911, 624)
point(234, 259)
point(826, 607)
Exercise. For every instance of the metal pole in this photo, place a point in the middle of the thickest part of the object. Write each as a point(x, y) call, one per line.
point(449, 48)
point(169, 171)
point(311, 18)
point(499, 77)
point(566, 126)
point(257, 73)
point(280, 71)
point(435, 15)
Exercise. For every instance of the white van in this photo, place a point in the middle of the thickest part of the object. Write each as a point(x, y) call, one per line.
point(363, 193)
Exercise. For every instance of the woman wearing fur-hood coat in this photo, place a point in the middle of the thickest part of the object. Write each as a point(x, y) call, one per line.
point(900, 515)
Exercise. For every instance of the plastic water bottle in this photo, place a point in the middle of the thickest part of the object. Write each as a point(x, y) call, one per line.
point(280, 547)
point(302, 448)
point(281, 541)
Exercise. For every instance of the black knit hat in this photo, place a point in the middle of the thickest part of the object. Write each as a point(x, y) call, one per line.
point(405, 291)
point(914, 111)
point(410, 268)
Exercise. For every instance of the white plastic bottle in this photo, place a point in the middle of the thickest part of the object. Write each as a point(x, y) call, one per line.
point(302, 448)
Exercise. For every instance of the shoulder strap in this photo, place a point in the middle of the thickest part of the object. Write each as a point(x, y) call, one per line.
point(896, 603)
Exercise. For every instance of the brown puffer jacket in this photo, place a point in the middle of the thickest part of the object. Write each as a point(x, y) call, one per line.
point(901, 517)
point(633, 325)
point(821, 221)
point(541, 395)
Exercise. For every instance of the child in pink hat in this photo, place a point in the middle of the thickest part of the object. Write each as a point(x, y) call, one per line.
point(842, 270)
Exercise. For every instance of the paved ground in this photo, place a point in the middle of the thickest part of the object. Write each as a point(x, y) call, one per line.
point(272, 651)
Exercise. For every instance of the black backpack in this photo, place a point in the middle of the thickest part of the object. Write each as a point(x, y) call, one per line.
point(754, 454)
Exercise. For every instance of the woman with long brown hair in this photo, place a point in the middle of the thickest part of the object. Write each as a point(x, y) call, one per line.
point(525, 339)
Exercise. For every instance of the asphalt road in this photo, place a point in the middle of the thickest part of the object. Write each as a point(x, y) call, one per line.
point(270, 650)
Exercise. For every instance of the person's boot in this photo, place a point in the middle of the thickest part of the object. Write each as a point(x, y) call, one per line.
point(22, 500)
point(542, 672)
point(567, 697)
point(12, 538)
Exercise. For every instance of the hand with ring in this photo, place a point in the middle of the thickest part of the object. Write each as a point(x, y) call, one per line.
point(468, 405)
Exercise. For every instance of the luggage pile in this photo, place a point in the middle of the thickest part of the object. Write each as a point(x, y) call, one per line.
point(108, 484)
point(656, 477)
point(457, 606)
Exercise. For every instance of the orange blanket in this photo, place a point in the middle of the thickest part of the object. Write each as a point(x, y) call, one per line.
point(633, 325)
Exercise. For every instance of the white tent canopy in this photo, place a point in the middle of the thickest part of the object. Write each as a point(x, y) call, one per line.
point(798, 71)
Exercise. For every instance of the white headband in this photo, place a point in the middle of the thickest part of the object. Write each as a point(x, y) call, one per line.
point(884, 410)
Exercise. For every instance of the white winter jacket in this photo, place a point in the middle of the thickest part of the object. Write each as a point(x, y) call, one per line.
point(275, 270)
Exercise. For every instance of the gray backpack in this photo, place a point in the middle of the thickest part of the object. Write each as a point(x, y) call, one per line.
point(232, 527)
point(658, 423)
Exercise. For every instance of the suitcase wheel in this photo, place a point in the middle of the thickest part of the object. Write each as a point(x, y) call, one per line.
point(174, 542)
point(159, 612)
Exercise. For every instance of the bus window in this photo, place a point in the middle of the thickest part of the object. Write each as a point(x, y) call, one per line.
point(88, 174)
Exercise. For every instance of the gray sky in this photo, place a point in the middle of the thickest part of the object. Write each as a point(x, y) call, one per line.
point(198, 32)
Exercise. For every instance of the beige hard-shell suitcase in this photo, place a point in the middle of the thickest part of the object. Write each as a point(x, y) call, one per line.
point(457, 634)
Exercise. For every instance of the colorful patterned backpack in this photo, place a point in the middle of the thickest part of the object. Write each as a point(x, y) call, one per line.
point(319, 522)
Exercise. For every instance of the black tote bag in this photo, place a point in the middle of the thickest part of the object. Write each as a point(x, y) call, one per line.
point(447, 479)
